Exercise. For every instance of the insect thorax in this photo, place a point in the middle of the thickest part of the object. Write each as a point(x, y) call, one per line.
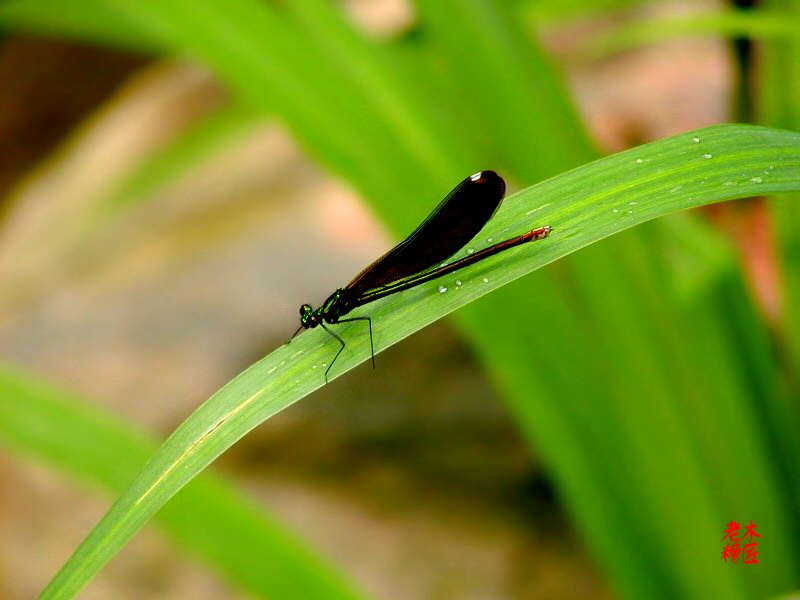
point(333, 308)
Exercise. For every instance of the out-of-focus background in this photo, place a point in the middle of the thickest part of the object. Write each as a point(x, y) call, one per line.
point(172, 190)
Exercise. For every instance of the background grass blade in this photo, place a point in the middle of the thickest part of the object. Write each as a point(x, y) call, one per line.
point(778, 92)
point(758, 24)
point(487, 50)
point(89, 20)
point(204, 140)
point(583, 206)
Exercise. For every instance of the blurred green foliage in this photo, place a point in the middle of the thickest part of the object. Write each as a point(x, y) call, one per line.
point(640, 369)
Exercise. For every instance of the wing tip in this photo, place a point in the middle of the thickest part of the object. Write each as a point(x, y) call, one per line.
point(491, 178)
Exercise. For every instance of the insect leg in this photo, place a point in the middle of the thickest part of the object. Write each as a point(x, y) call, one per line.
point(338, 339)
point(299, 329)
point(369, 322)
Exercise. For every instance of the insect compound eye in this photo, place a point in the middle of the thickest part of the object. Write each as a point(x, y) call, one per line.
point(307, 316)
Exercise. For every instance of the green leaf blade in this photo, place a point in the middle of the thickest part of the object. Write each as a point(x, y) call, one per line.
point(206, 518)
point(583, 206)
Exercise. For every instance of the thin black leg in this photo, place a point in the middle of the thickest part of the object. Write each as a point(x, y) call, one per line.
point(299, 329)
point(341, 341)
point(369, 321)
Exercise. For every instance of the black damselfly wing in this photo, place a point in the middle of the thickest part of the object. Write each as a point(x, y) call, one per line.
point(452, 224)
